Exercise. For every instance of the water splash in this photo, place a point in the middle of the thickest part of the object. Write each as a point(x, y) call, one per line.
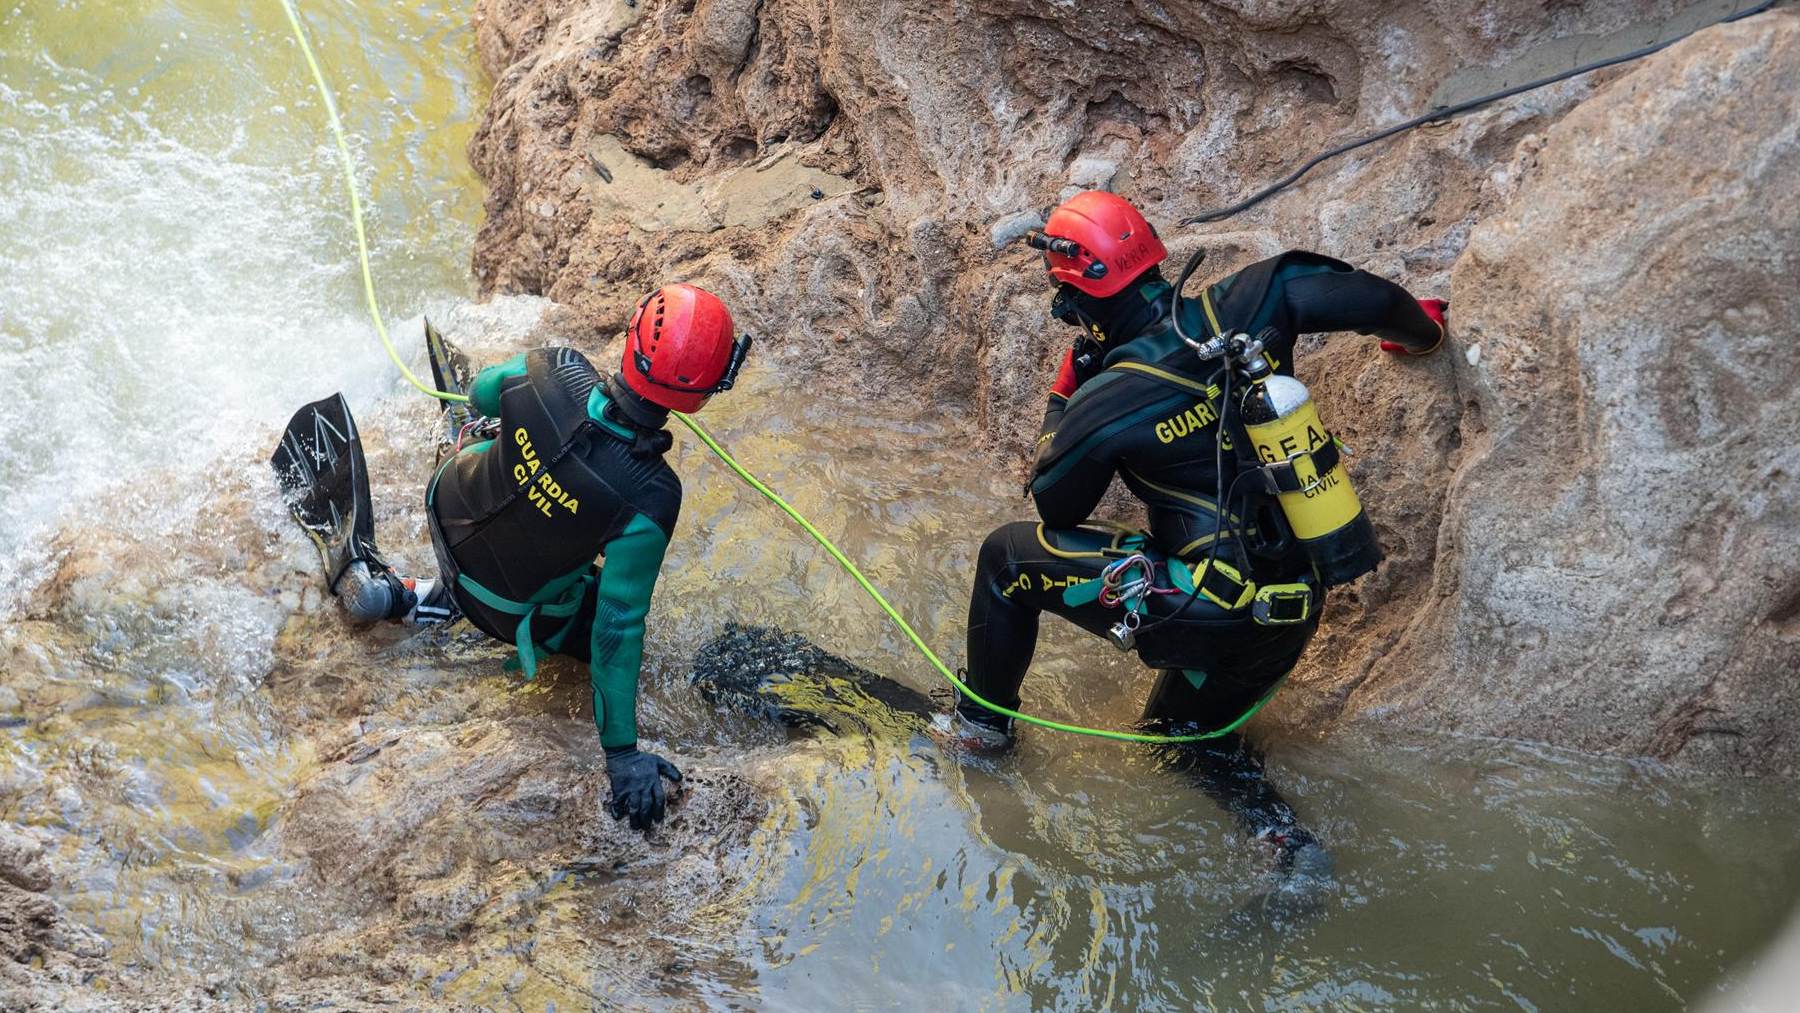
point(177, 273)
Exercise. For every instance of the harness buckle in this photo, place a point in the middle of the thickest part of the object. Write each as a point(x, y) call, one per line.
point(1220, 583)
point(1282, 604)
point(1288, 476)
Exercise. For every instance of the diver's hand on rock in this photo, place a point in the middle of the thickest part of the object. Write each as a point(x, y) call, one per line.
point(1439, 312)
point(637, 788)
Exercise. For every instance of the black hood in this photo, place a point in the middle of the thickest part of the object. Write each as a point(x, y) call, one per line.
point(1117, 318)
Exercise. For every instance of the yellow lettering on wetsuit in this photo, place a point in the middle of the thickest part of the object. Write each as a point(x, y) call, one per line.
point(523, 439)
point(1191, 421)
point(1045, 582)
point(557, 493)
point(546, 490)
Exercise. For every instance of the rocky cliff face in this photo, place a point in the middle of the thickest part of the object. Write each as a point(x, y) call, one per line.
point(1587, 500)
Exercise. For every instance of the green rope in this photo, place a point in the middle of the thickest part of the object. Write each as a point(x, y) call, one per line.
point(911, 634)
point(356, 213)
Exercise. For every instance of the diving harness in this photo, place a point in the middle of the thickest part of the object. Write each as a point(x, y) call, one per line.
point(1285, 454)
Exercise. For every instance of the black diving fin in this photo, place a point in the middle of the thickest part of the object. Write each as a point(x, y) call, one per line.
point(451, 373)
point(319, 467)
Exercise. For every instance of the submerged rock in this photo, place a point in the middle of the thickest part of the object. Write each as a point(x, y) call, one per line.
point(783, 676)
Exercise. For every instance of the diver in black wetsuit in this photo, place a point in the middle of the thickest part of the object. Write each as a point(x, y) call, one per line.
point(1133, 399)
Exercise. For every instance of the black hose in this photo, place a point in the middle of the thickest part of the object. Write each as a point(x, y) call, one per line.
point(1448, 112)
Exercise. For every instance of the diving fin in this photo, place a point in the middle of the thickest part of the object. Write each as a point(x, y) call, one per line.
point(319, 467)
point(451, 372)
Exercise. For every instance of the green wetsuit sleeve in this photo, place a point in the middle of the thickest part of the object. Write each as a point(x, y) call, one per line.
point(627, 579)
point(484, 393)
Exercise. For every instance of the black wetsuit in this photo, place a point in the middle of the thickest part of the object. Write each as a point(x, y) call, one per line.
point(1151, 416)
point(518, 521)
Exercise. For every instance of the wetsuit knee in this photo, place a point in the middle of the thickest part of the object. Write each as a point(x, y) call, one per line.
point(996, 553)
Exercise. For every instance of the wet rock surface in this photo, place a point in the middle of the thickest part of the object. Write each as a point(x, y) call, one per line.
point(1628, 365)
point(1583, 499)
point(785, 677)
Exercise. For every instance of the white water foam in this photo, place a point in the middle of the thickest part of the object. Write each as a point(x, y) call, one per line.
point(162, 307)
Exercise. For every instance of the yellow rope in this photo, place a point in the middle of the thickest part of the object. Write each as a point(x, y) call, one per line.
point(356, 214)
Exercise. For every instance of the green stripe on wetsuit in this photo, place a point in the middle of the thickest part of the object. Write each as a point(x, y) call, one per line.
point(627, 579)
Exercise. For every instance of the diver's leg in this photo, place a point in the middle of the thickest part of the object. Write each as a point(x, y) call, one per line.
point(1003, 624)
point(1021, 572)
point(373, 593)
point(433, 602)
point(1244, 665)
point(1227, 768)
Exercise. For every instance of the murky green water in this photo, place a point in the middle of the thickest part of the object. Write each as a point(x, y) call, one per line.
point(178, 275)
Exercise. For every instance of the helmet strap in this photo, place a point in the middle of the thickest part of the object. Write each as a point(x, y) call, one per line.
point(645, 420)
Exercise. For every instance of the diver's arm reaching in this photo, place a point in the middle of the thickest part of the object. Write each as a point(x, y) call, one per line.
point(633, 559)
point(1350, 299)
point(627, 581)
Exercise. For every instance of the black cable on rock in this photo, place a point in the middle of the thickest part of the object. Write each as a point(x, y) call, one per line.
point(1452, 111)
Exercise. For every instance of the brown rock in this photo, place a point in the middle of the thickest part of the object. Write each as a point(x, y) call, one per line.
point(1620, 535)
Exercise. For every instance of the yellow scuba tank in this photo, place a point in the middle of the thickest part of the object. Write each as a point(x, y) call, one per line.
point(1305, 472)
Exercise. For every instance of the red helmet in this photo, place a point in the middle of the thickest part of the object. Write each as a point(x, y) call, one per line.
point(679, 349)
point(1097, 242)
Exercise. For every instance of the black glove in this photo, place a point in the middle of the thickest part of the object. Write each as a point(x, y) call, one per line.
point(637, 788)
